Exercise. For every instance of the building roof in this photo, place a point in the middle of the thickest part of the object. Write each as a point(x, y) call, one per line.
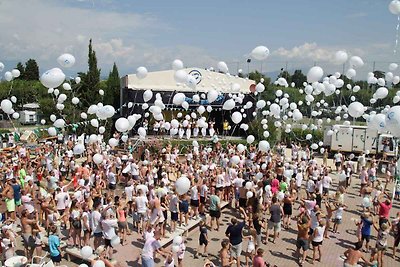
point(206, 80)
point(31, 105)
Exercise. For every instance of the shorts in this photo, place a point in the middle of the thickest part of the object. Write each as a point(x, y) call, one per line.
point(316, 244)
point(165, 213)
point(365, 237)
point(397, 241)
point(379, 247)
point(148, 262)
point(325, 190)
point(259, 240)
point(337, 164)
point(236, 250)
point(100, 234)
point(302, 243)
point(143, 216)
point(107, 243)
point(215, 214)
point(135, 217)
point(122, 225)
point(29, 240)
point(10, 204)
point(311, 231)
point(242, 202)
point(337, 220)
point(61, 212)
point(56, 258)
point(174, 216)
point(275, 226)
point(18, 202)
point(203, 200)
point(194, 203)
point(203, 241)
point(184, 207)
point(382, 221)
point(112, 186)
point(372, 178)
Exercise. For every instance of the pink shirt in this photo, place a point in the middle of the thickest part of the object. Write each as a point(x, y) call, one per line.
point(384, 210)
point(258, 262)
point(274, 186)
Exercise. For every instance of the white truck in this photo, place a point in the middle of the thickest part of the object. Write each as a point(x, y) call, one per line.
point(360, 139)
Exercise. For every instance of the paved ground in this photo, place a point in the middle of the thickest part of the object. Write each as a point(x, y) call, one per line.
point(281, 253)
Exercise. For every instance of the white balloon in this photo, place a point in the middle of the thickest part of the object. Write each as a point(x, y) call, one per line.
point(235, 160)
point(6, 106)
point(115, 241)
point(122, 125)
point(79, 149)
point(260, 104)
point(67, 86)
point(8, 76)
point(15, 73)
point(177, 64)
point(260, 87)
point(94, 123)
point(381, 93)
point(15, 115)
point(212, 95)
point(180, 76)
point(142, 132)
point(101, 92)
point(260, 52)
point(86, 252)
point(241, 148)
point(52, 131)
point(75, 100)
point(141, 73)
point(263, 146)
point(66, 60)
point(237, 117)
point(222, 67)
point(340, 57)
point(178, 99)
point(356, 109)
point(177, 240)
point(314, 74)
point(394, 7)
point(182, 185)
point(250, 139)
point(52, 78)
point(351, 73)
point(102, 129)
point(249, 194)
point(393, 66)
point(99, 263)
point(1, 66)
point(77, 80)
point(113, 142)
point(60, 123)
point(229, 104)
point(147, 95)
point(356, 62)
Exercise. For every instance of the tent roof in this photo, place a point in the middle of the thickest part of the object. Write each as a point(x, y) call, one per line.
point(206, 80)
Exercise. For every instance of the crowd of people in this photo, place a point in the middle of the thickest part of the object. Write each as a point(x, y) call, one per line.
point(51, 195)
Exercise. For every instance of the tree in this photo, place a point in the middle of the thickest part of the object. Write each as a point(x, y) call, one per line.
point(31, 70)
point(90, 81)
point(112, 94)
point(298, 78)
point(21, 69)
point(379, 74)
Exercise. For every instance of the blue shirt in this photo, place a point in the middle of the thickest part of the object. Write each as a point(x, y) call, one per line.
point(366, 227)
point(17, 192)
point(54, 243)
point(235, 233)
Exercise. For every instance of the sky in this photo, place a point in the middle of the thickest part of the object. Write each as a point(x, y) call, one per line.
point(152, 33)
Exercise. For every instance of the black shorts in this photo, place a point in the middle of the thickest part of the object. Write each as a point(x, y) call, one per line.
point(365, 237)
point(302, 243)
point(194, 203)
point(174, 216)
point(100, 234)
point(325, 190)
point(242, 202)
point(203, 241)
point(61, 212)
point(397, 241)
point(56, 258)
point(215, 214)
point(165, 213)
point(311, 231)
point(337, 164)
point(112, 186)
point(202, 200)
point(316, 244)
point(107, 242)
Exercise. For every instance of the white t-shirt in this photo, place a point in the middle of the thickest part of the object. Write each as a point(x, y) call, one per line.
point(141, 204)
point(112, 178)
point(108, 226)
point(203, 190)
point(326, 181)
point(194, 193)
point(129, 192)
point(319, 234)
point(173, 204)
point(96, 217)
point(150, 247)
point(62, 200)
point(338, 157)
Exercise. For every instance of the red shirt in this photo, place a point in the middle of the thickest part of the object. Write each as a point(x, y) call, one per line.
point(384, 210)
point(258, 262)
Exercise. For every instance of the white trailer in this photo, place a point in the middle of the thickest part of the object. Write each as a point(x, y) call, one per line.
point(359, 139)
point(27, 117)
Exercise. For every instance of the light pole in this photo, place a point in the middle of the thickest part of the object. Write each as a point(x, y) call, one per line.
point(248, 67)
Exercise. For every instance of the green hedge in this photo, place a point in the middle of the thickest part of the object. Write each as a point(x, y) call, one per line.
point(298, 135)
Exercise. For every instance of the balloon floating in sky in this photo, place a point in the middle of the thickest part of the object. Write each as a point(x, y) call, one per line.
point(52, 78)
point(260, 52)
point(394, 7)
point(66, 60)
point(141, 73)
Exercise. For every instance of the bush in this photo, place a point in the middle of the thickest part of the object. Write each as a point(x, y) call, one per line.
point(298, 135)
